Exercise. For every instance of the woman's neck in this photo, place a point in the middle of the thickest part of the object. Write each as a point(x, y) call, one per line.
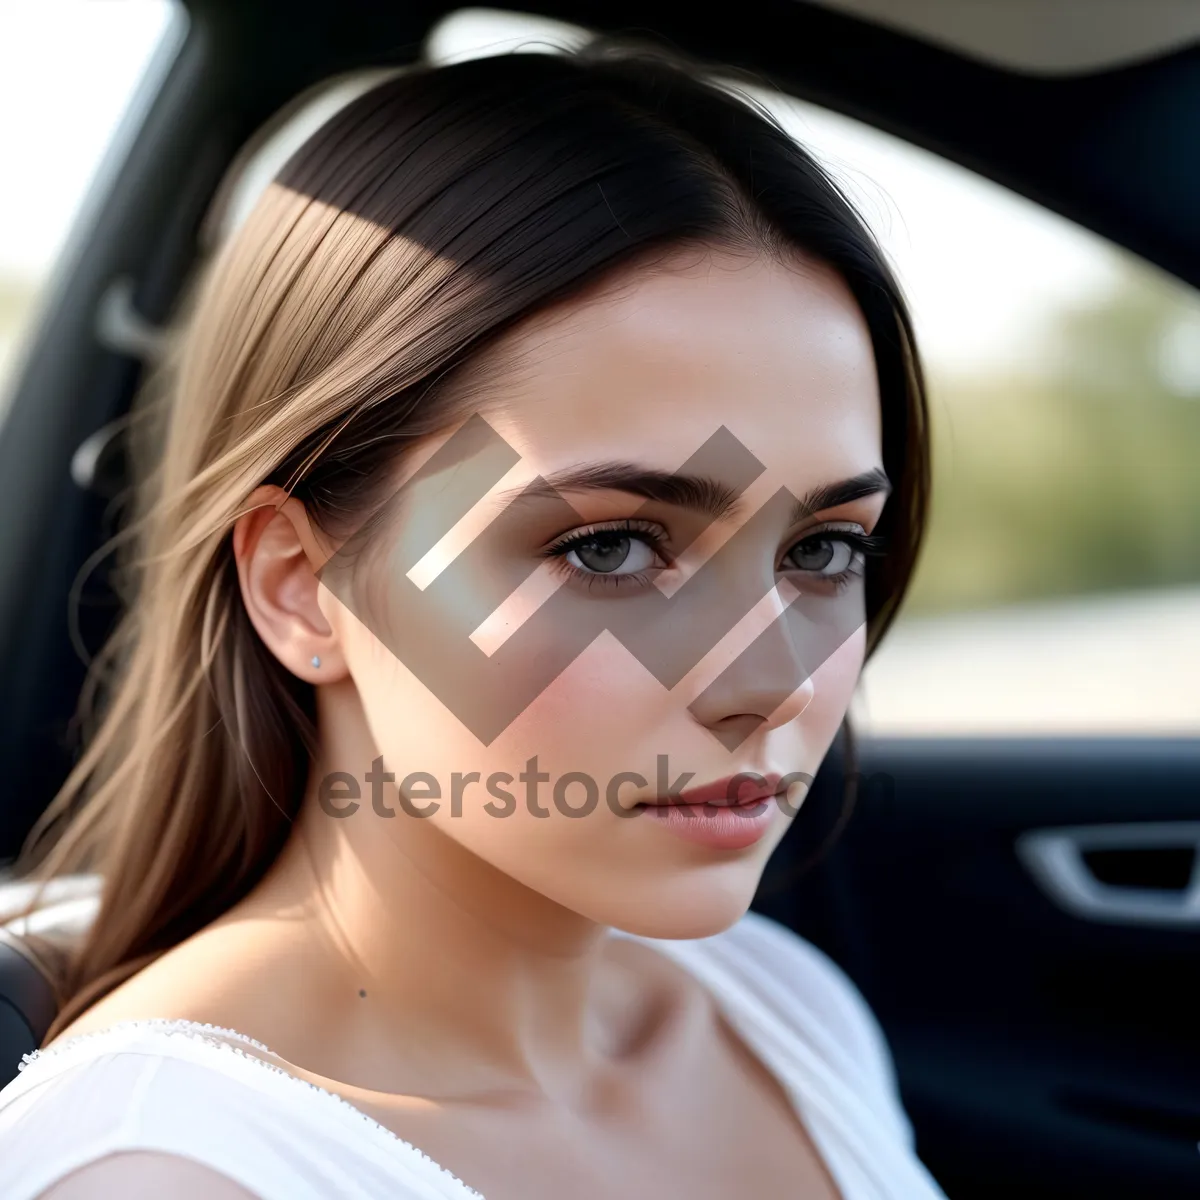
point(439, 971)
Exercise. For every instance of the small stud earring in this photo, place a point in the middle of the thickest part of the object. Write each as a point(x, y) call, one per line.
point(316, 660)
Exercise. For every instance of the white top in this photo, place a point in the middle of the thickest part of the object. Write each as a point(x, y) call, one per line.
point(183, 1088)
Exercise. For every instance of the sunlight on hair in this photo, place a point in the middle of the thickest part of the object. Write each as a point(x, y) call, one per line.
point(263, 157)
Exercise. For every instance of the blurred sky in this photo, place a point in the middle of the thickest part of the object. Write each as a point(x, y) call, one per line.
point(982, 267)
point(68, 71)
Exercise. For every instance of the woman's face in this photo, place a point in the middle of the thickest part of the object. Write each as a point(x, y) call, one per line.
point(630, 624)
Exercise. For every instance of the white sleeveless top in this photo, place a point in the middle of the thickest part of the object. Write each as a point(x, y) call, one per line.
point(194, 1090)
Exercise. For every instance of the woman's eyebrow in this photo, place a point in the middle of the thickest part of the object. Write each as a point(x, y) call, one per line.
point(700, 493)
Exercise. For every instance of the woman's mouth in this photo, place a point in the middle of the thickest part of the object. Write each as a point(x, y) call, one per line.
point(728, 814)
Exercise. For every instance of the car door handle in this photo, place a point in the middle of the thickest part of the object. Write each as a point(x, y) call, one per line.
point(1057, 860)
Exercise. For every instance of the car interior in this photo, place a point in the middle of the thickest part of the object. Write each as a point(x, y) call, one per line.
point(1022, 913)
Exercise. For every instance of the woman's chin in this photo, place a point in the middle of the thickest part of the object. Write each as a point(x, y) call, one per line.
point(684, 912)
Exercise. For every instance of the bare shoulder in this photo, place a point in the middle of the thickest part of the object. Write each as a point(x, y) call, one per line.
point(193, 981)
point(146, 1174)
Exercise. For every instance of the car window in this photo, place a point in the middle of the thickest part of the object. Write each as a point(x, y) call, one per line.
point(71, 72)
point(1059, 591)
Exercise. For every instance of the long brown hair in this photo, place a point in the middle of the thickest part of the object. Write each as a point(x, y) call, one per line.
point(425, 218)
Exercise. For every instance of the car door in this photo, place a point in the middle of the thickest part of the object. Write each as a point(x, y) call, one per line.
point(1022, 913)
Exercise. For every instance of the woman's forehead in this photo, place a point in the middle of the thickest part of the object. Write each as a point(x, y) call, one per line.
point(653, 368)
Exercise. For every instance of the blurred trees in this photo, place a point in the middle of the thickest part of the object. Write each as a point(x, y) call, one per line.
point(1077, 471)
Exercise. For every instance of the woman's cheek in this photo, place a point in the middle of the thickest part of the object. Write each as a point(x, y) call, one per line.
point(603, 702)
point(834, 682)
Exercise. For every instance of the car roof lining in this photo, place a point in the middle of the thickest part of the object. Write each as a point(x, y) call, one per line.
point(1039, 36)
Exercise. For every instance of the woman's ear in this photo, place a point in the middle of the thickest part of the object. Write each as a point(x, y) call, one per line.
point(278, 556)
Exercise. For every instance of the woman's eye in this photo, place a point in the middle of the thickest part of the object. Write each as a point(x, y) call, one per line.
point(624, 555)
point(609, 553)
point(824, 555)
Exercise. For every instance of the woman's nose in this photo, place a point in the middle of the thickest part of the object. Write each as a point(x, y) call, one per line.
point(760, 685)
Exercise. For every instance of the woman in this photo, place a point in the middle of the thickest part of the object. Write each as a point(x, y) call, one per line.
point(541, 460)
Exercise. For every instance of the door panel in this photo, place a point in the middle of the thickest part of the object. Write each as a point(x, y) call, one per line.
point(1041, 1051)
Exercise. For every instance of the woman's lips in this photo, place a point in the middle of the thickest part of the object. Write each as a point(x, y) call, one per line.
point(728, 814)
point(745, 788)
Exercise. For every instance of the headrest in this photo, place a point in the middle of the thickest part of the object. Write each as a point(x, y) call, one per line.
point(27, 1004)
